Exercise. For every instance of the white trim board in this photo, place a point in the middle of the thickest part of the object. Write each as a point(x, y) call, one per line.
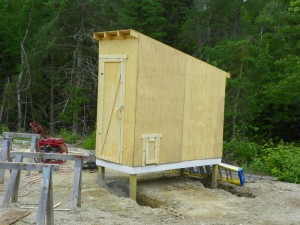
point(156, 168)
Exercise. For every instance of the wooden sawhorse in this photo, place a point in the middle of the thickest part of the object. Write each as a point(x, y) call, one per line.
point(45, 208)
point(78, 158)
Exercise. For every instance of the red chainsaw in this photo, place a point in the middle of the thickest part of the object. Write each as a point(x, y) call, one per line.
point(50, 144)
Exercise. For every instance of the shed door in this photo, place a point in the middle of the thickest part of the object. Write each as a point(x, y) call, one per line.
point(112, 88)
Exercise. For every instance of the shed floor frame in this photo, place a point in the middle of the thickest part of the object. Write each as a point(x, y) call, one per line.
point(157, 168)
point(134, 171)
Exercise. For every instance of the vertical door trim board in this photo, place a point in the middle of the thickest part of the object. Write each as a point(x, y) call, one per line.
point(121, 59)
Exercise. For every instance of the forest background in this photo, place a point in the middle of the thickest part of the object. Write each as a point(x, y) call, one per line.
point(48, 67)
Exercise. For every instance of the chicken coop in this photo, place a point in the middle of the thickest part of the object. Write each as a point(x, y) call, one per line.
point(158, 108)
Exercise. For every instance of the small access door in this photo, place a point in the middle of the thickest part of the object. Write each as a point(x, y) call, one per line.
point(111, 106)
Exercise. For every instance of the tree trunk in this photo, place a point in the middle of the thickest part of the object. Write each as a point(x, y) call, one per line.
point(52, 124)
point(78, 64)
point(4, 98)
point(24, 64)
point(51, 105)
point(236, 101)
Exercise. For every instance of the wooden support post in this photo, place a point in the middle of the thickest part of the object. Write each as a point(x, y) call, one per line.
point(49, 206)
point(13, 186)
point(4, 157)
point(102, 172)
point(133, 186)
point(33, 148)
point(181, 173)
point(214, 177)
point(15, 191)
point(44, 198)
point(76, 195)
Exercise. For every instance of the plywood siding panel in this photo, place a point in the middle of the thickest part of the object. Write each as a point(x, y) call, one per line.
point(160, 98)
point(203, 126)
point(127, 47)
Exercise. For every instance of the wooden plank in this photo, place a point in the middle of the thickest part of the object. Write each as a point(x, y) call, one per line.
point(133, 186)
point(20, 135)
point(214, 178)
point(11, 216)
point(33, 148)
point(57, 156)
point(115, 35)
point(28, 166)
point(130, 48)
point(12, 187)
point(160, 98)
point(4, 157)
point(76, 194)
point(49, 205)
point(15, 191)
point(45, 182)
point(102, 172)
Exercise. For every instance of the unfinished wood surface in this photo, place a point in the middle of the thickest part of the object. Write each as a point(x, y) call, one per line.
point(44, 195)
point(111, 110)
point(160, 98)
point(214, 178)
point(133, 186)
point(76, 195)
point(12, 186)
point(27, 166)
point(11, 216)
point(129, 92)
point(164, 92)
point(4, 156)
point(33, 148)
point(15, 189)
point(57, 156)
point(202, 133)
point(20, 135)
point(49, 204)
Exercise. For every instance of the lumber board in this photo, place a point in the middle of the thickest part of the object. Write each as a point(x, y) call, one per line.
point(160, 98)
point(11, 216)
point(133, 186)
point(76, 193)
point(49, 205)
point(45, 183)
point(57, 156)
point(20, 135)
point(4, 156)
point(33, 148)
point(12, 187)
point(15, 191)
point(214, 178)
point(27, 166)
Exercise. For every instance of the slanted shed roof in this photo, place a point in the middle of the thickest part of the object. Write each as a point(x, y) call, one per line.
point(132, 34)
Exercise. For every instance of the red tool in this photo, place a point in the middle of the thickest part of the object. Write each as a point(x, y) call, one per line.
point(50, 144)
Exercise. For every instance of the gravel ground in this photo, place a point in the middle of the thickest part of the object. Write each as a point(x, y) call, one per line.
point(163, 198)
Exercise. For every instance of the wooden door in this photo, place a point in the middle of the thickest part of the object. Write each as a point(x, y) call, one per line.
point(111, 115)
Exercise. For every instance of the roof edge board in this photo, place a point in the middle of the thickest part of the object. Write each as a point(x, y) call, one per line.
point(115, 35)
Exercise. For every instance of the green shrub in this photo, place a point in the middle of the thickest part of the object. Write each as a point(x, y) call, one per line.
point(283, 162)
point(3, 128)
point(90, 141)
point(70, 138)
point(241, 152)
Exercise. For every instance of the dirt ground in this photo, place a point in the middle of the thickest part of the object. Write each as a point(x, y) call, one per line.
point(173, 200)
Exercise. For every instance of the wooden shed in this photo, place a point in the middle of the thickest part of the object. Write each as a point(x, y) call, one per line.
point(158, 108)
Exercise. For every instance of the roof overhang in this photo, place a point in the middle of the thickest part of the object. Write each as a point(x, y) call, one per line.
point(115, 35)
